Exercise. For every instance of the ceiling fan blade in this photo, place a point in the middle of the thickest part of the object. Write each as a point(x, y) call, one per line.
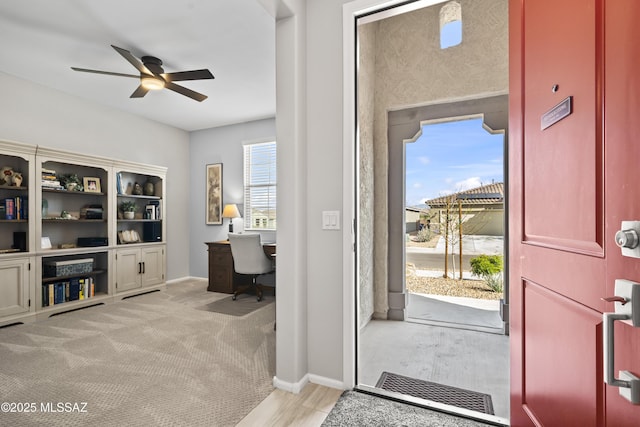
point(109, 73)
point(132, 59)
point(140, 92)
point(186, 92)
point(188, 75)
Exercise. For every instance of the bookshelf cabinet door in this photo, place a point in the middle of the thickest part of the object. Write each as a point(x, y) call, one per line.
point(152, 260)
point(14, 286)
point(128, 269)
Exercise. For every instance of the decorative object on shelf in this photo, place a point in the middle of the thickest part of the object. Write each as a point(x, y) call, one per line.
point(6, 174)
point(128, 208)
point(128, 236)
point(137, 189)
point(214, 194)
point(149, 188)
point(71, 182)
point(231, 211)
point(119, 183)
point(91, 184)
point(67, 215)
point(17, 179)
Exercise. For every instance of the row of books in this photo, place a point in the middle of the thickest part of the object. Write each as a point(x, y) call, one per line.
point(14, 208)
point(50, 180)
point(67, 290)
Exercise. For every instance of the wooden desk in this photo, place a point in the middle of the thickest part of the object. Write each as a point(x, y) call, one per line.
point(222, 276)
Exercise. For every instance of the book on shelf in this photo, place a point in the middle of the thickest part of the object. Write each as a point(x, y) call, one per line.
point(59, 293)
point(74, 289)
point(10, 208)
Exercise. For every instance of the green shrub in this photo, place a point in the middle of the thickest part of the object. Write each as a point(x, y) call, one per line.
point(486, 265)
point(489, 267)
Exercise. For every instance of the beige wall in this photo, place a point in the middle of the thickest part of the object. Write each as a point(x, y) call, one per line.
point(411, 70)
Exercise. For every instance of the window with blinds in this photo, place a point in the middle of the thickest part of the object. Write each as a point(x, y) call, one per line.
point(260, 186)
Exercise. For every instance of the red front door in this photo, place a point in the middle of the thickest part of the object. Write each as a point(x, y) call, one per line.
point(572, 182)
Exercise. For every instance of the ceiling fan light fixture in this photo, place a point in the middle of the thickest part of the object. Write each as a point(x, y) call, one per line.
point(152, 82)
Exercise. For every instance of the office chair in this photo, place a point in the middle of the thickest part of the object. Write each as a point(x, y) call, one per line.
point(249, 259)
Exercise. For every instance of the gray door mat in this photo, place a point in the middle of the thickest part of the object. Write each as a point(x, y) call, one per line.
point(472, 400)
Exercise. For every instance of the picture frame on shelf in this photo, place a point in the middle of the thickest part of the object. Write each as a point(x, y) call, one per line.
point(91, 184)
point(45, 242)
point(214, 194)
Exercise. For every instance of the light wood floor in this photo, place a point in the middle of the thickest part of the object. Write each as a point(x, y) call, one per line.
point(281, 408)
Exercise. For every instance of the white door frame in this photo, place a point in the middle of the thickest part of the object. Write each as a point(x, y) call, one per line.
point(350, 12)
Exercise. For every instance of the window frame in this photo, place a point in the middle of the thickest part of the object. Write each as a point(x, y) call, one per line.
point(270, 184)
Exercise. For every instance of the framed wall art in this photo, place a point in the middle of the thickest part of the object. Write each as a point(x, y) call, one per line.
point(214, 194)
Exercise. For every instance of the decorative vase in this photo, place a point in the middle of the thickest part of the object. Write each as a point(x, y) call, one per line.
point(17, 179)
point(149, 188)
point(129, 215)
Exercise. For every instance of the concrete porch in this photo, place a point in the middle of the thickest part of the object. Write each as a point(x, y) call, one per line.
point(451, 342)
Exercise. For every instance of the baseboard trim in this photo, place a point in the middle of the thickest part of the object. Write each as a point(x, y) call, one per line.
point(308, 378)
point(294, 388)
point(182, 279)
point(327, 382)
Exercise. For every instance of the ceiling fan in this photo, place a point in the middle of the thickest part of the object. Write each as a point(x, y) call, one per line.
point(153, 77)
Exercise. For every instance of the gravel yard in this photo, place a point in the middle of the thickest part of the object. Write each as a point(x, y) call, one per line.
point(450, 287)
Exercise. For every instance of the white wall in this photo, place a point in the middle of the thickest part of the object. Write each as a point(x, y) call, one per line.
point(36, 115)
point(219, 145)
point(325, 186)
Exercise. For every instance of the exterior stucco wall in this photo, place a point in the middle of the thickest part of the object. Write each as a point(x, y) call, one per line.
point(366, 103)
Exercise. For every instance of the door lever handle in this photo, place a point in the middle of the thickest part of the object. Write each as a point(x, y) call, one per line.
point(625, 292)
point(621, 300)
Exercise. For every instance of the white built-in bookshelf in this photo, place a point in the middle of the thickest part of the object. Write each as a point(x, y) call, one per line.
point(66, 242)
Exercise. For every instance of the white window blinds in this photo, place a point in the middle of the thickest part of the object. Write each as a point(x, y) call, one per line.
point(260, 186)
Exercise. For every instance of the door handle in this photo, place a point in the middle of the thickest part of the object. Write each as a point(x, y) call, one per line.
point(627, 297)
point(139, 268)
point(144, 268)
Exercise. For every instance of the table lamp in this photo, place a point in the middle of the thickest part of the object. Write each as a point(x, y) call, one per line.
point(231, 211)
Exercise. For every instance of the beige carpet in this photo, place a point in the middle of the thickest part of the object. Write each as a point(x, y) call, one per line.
point(151, 360)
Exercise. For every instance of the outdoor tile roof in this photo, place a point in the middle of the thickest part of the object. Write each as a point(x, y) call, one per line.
point(490, 194)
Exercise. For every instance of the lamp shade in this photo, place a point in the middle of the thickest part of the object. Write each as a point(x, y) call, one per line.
point(230, 211)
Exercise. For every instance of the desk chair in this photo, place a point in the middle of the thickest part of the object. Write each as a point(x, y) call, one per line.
point(249, 258)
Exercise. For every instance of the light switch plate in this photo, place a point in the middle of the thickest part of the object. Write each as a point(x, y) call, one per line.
point(331, 220)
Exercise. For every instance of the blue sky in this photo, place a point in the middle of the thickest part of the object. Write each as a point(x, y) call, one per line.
point(450, 157)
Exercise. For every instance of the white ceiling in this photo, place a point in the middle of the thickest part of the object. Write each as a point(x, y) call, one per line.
point(235, 39)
